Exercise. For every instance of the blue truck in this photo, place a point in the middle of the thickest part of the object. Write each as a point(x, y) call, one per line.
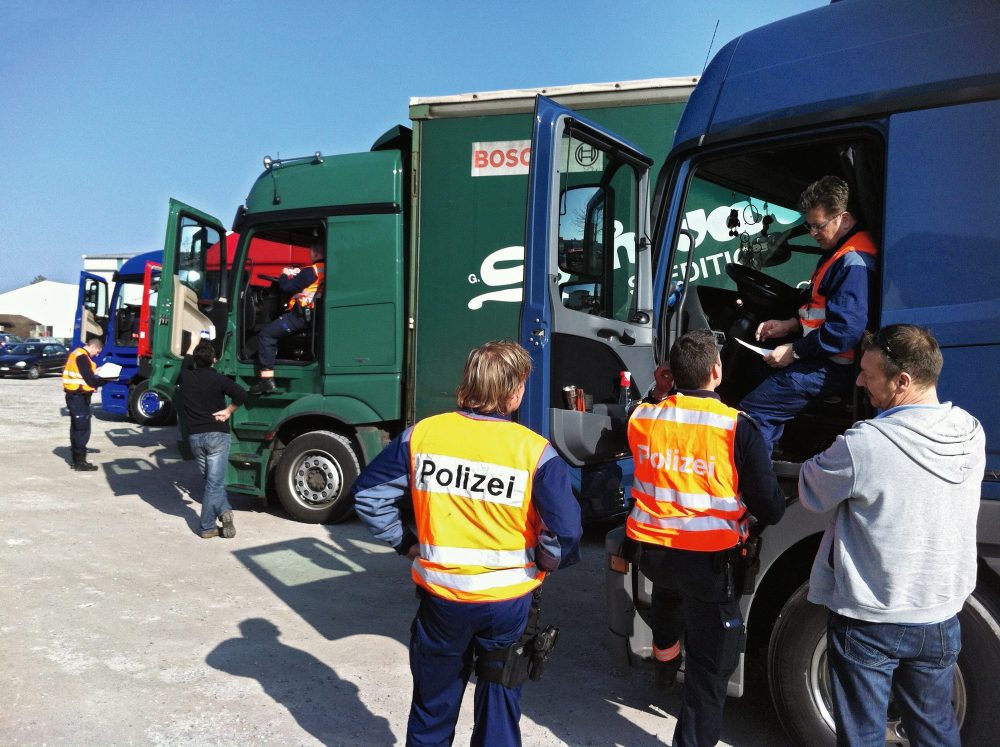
point(904, 104)
point(114, 312)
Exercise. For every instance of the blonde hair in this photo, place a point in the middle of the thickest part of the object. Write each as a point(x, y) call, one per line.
point(492, 375)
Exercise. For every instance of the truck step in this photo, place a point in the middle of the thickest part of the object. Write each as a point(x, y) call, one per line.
point(245, 458)
point(241, 488)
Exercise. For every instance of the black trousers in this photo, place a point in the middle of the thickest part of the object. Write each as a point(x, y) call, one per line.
point(78, 404)
point(693, 596)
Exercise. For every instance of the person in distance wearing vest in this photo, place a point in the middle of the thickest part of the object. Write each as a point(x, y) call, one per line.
point(829, 325)
point(80, 381)
point(494, 512)
point(700, 468)
point(305, 286)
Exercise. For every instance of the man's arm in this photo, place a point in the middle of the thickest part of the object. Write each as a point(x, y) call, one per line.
point(86, 368)
point(379, 490)
point(758, 483)
point(827, 479)
point(846, 310)
point(298, 282)
point(552, 497)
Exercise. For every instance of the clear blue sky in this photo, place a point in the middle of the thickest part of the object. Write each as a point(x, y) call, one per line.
point(110, 107)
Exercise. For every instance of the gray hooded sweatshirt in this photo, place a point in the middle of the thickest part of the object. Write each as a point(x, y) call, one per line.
point(901, 546)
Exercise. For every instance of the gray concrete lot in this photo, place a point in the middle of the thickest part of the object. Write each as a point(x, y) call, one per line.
point(119, 625)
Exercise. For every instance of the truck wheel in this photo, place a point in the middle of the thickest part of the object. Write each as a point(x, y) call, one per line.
point(315, 476)
point(33, 372)
point(147, 406)
point(800, 685)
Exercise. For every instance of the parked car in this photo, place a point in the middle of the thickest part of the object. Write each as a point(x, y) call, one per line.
point(8, 340)
point(33, 359)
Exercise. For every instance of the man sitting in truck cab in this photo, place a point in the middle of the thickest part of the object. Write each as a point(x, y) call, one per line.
point(830, 324)
point(304, 285)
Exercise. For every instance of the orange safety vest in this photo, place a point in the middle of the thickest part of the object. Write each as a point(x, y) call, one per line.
point(812, 314)
point(471, 485)
point(685, 484)
point(306, 298)
point(72, 380)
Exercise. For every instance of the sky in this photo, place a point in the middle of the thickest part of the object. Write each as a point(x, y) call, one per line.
point(109, 107)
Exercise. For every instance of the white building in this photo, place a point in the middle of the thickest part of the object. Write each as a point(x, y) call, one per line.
point(47, 302)
point(105, 265)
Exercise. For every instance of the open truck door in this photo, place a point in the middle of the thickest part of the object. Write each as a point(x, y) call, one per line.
point(588, 309)
point(193, 296)
point(91, 318)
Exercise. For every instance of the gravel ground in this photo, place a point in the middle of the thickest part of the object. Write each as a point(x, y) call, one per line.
point(119, 626)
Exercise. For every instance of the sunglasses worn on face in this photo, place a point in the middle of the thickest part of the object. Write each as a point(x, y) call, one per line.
point(817, 227)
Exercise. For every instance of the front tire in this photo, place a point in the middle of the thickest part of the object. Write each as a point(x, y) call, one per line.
point(34, 372)
point(800, 686)
point(315, 476)
point(147, 406)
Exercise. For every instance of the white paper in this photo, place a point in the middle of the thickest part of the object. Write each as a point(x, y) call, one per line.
point(757, 350)
point(109, 370)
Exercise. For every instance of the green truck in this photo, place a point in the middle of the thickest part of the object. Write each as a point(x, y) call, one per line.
point(424, 239)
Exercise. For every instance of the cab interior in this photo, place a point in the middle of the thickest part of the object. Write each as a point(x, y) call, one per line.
point(767, 275)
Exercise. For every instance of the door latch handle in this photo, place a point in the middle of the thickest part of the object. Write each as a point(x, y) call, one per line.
point(625, 337)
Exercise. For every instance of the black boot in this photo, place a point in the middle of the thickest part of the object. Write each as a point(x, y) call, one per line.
point(264, 386)
point(82, 465)
point(665, 674)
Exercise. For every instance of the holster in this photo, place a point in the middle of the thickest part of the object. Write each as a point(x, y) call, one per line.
point(746, 563)
point(526, 658)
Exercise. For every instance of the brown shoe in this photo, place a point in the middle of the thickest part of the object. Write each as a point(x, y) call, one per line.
point(228, 527)
point(209, 534)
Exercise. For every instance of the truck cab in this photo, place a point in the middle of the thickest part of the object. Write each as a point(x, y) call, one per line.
point(114, 313)
point(887, 103)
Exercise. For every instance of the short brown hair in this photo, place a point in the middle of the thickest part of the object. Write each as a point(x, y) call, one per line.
point(909, 348)
point(692, 357)
point(204, 354)
point(493, 372)
point(829, 193)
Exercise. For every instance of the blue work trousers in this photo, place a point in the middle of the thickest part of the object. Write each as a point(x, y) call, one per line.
point(789, 391)
point(211, 451)
point(78, 404)
point(862, 658)
point(443, 639)
point(267, 339)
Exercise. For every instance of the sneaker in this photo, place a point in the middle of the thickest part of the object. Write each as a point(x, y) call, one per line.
point(209, 534)
point(228, 528)
point(264, 386)
point(84, 466)
point(665, 673)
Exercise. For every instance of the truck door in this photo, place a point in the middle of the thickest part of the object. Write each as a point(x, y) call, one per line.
point(150, 291)
point(91, 309)
point(193, 298)
point(587, 313)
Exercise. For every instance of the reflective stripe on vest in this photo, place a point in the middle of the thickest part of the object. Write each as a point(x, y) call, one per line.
point(471, 483)
point(812, 314)
point(685, 483)
point(306, 298)
point(72, 379)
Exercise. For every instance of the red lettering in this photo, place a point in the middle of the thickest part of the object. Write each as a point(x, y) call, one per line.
point(526, 157)
point(496, 158)
point(512, 157)
point(479, 160)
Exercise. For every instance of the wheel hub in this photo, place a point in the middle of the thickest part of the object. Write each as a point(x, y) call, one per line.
point(317, 479)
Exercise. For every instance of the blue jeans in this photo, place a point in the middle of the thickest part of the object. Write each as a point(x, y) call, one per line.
point(443, 638)
point(786, 393)
point(862, 657)
point(211, 451)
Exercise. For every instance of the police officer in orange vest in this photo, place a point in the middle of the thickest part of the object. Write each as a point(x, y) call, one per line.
point(829, 325)
point(305, 287)
point(701, 469)
point(79, 382)
point(494, 512)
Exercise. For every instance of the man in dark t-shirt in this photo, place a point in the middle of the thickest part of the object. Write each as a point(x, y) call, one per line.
point(204, 391)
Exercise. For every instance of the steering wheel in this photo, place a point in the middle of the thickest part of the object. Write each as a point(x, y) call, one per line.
point(762, 291)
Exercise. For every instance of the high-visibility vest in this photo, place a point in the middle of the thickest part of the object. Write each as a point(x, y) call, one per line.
point(306, 298)
point(471, 484)
point(685, 484)
point(812, 314)
point(72, 380)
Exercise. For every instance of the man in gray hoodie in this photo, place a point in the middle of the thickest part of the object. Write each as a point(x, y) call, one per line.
point(898, 559)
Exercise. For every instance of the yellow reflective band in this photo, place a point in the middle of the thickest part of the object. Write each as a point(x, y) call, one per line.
point(698, 501)
point(477, 581)
point(686, 523)
point(470, 556)
point(688, 417)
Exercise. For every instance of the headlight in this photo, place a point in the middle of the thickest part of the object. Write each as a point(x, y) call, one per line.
point(20, 364)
